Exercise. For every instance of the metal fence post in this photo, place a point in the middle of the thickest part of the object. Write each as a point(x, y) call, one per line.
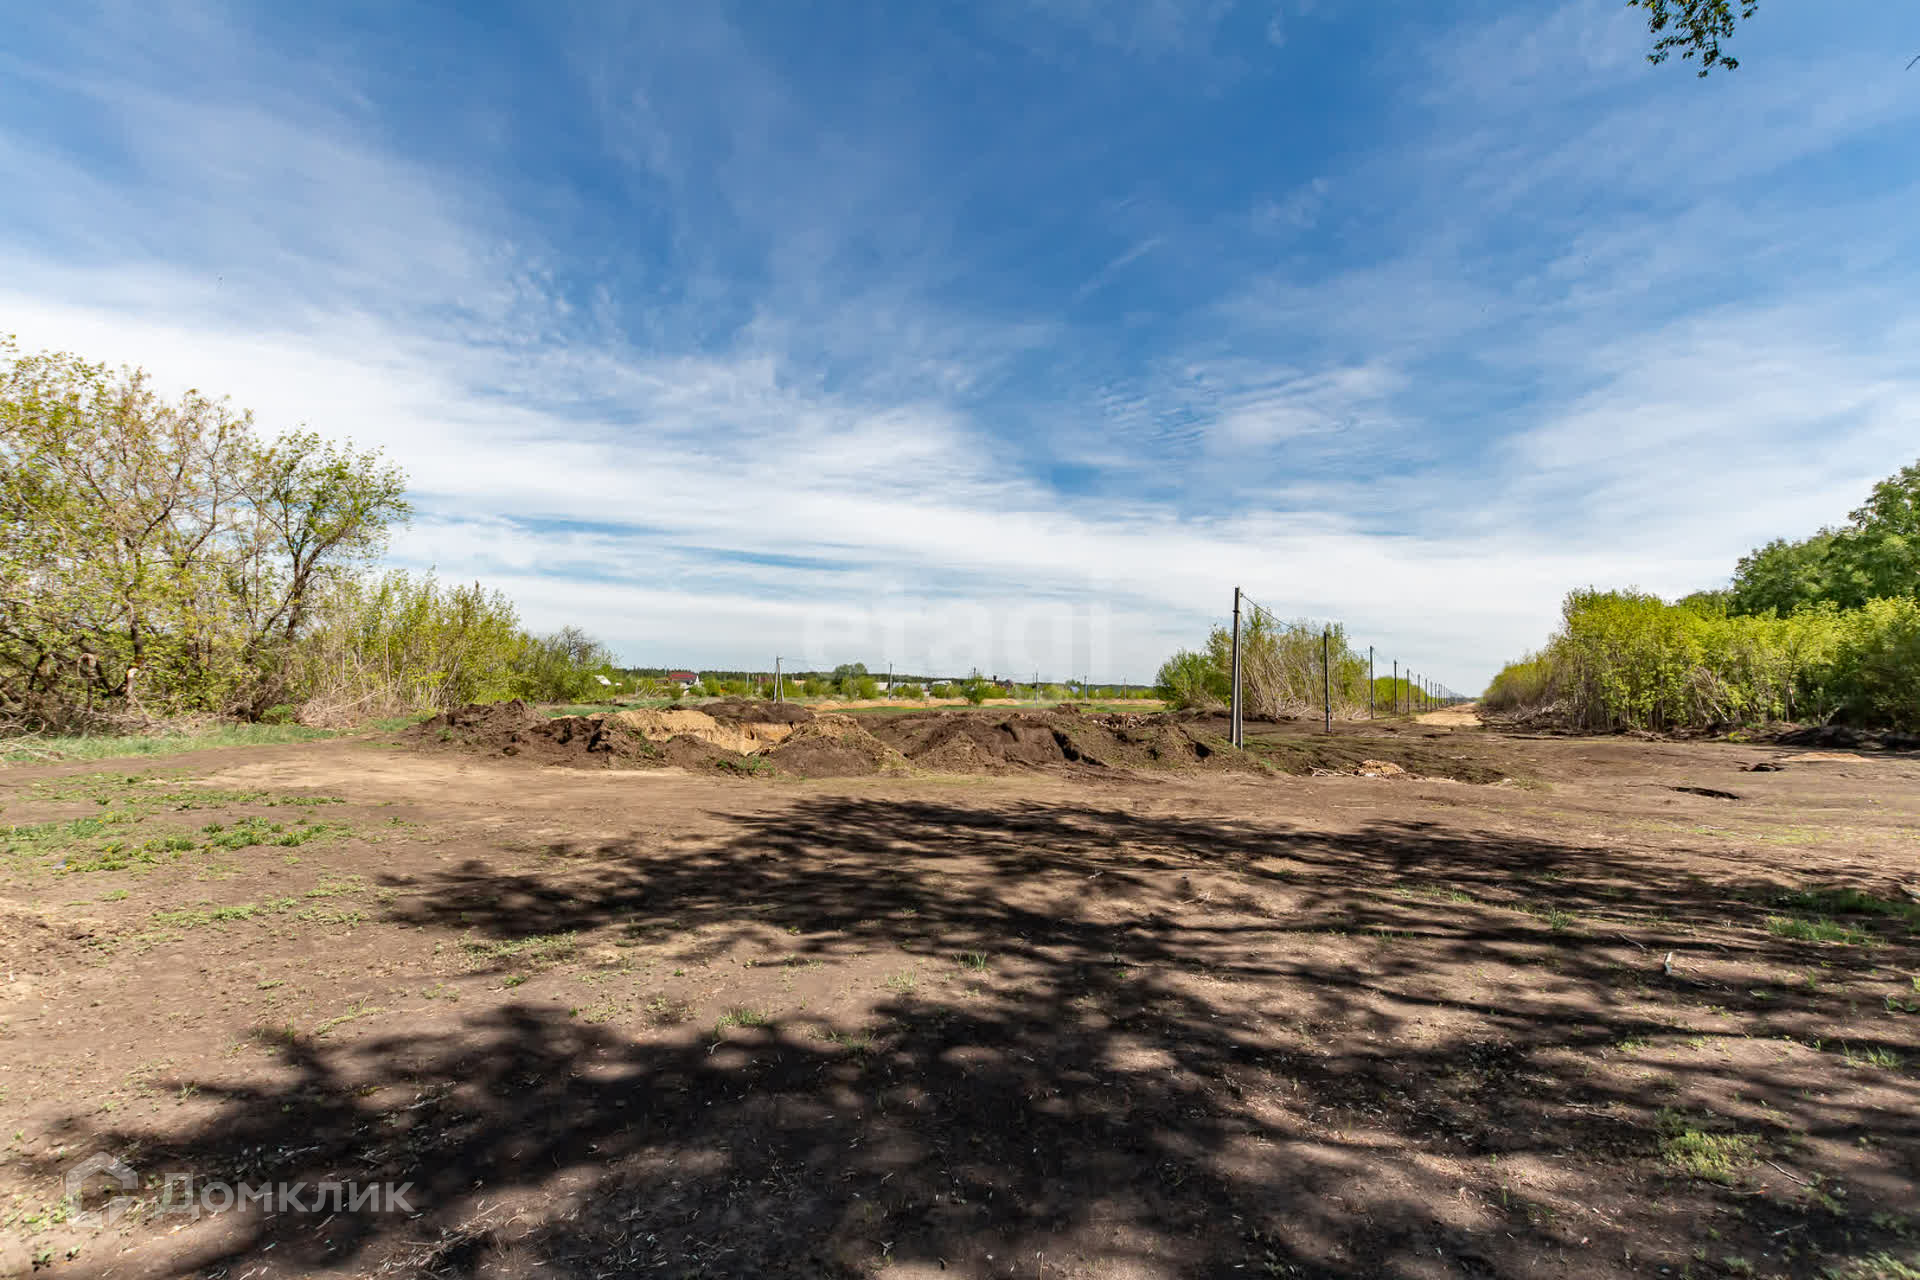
point(1326, 675)
point(1371, 690)
point(1234, 733)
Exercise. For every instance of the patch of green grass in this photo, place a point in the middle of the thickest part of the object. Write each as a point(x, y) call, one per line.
point(858, 1041)
point(1557, 920)
point(1873, 1057)
point(1713, 1156)
point(978, 961)
point(739, 1017)
point(537, 947)
point(1817, 930)
point(1849, 902)
point(110, 747)
point(191, 919)
point(358, 1011)
point(904, 981)
point(334, 888)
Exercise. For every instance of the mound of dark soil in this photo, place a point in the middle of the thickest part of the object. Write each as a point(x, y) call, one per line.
point(996, 741)
point(835, 746)
point(967, 741)
point(689, 752)
point(822, 758)
point(515, 729)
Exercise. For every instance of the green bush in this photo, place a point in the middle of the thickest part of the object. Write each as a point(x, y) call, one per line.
point(1192, 680)
point(1627, 660)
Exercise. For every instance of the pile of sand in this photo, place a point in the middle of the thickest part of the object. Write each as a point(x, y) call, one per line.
point(739, 735)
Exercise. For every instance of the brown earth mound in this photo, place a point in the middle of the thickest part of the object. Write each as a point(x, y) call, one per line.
point(835, 746)
point(690, 752)
point(973, 742)
point(809, 745)
point(515, 729)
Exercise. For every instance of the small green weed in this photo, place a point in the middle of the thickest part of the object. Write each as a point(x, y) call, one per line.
point(1701, 1153)
point(1817, 930)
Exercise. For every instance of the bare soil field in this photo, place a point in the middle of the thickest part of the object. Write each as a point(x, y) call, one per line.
point(1415, 999)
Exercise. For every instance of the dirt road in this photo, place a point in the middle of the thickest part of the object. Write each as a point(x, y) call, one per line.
point(1617, 1008)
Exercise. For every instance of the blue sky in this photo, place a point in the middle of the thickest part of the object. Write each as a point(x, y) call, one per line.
point(1009, 335)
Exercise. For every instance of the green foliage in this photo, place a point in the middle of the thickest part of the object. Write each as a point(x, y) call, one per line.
point(1783, 576)
point(1824, 628)
point(566, 666)
point(392, 644)
point(977, 691)
point(1714, 1155)
point(1626, 660)
point(158, 556)
point(1878, 555)
point(1695, 28)
point(1192, 680)
point(1282, 670)
point(1875, 556)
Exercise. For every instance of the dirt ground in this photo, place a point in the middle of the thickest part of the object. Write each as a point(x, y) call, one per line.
point(1522, 1007)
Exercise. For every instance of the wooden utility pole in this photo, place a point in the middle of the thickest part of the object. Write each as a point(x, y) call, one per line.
point(777, 692)
point(1370, 689)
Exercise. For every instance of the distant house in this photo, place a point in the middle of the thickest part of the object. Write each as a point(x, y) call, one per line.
point(684, 679)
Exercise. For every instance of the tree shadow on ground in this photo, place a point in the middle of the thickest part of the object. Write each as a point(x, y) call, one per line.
point(1197, 1048)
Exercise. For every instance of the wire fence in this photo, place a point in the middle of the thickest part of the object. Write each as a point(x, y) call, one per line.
point(1294, 667)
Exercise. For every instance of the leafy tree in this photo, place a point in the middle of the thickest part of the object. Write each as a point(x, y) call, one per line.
point(1694, 28)
point(977, 691)
point(1190, 679)
point(561, 667)
point(1879, 553)
point(1783, 576)
point(1875, 556)
point(157, 555)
